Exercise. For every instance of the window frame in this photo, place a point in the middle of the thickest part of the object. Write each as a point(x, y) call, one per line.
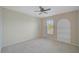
point(50, 21)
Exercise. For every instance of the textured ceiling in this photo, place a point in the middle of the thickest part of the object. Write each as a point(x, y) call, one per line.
point(54, 10)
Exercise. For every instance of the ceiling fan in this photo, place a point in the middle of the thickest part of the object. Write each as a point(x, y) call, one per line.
point(43, 10)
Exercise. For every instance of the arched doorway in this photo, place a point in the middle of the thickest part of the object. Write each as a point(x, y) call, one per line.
point(64, 30)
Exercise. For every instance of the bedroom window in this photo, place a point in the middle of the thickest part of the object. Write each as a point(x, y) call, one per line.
point(50, 26)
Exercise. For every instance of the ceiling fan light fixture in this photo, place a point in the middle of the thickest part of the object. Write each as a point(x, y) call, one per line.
point(43, 10)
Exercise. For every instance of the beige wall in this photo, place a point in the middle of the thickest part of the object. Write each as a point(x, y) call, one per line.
point(78, 28)
point(1, 28)
point(42, 31)
point(18, 27)
point(72, 17)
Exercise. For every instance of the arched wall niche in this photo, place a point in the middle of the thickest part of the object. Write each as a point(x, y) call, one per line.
point(64, 30)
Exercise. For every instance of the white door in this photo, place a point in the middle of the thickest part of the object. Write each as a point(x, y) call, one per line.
point(64, 31)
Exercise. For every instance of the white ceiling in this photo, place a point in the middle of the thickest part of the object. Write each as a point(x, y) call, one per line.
point(54, 10)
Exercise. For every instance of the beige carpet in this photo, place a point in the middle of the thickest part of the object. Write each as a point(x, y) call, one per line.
point(41, 46)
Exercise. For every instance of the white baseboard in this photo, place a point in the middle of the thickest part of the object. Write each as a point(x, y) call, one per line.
point(16, 43)
point(75, 44)
point(69, 43)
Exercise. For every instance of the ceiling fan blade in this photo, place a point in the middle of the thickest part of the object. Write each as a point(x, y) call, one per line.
point(41, 8)
point(45, 12)
point(47, 9)
point(40, 13)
